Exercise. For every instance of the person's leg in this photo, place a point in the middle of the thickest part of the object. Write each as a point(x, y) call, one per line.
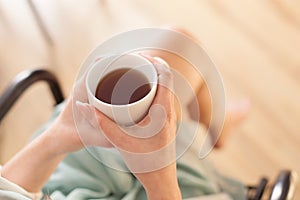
point(235, 112)
point(184, 70)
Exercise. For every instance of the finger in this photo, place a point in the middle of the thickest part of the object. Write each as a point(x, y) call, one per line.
point(111, 130)
point(150, 126)
point(88, 113)
point(162, 108)
point(90, 132)
point(165, 92)
point(79, 90)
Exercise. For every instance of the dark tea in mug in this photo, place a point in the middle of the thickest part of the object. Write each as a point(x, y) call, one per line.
point(122, 86)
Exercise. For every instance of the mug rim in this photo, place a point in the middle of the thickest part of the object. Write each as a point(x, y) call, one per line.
point(95, 99)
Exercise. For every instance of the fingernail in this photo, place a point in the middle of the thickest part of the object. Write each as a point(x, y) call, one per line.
point(147, 57)
point(161, 61)
point(84, 108)
point(97, 59)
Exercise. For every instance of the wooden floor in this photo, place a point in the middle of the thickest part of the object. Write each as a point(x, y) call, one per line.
point(255, 45)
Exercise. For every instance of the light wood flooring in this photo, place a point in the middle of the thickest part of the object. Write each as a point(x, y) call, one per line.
point(255, 45)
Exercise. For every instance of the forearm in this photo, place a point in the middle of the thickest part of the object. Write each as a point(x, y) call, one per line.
point(33, 165)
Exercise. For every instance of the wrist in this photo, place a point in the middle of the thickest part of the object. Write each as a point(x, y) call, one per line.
point(161, 184)
point(166, 193)
point(64, 131)
point(50, 144)
point(55, 140)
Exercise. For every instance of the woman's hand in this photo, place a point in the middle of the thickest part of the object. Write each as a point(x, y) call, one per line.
point(148, 148)
point(74, 131)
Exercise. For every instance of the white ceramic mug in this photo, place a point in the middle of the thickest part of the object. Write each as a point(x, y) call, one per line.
point(127, 114)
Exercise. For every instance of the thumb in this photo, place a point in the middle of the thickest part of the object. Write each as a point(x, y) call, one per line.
point(88, 128)
point(112, 131)
point(87, 112)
